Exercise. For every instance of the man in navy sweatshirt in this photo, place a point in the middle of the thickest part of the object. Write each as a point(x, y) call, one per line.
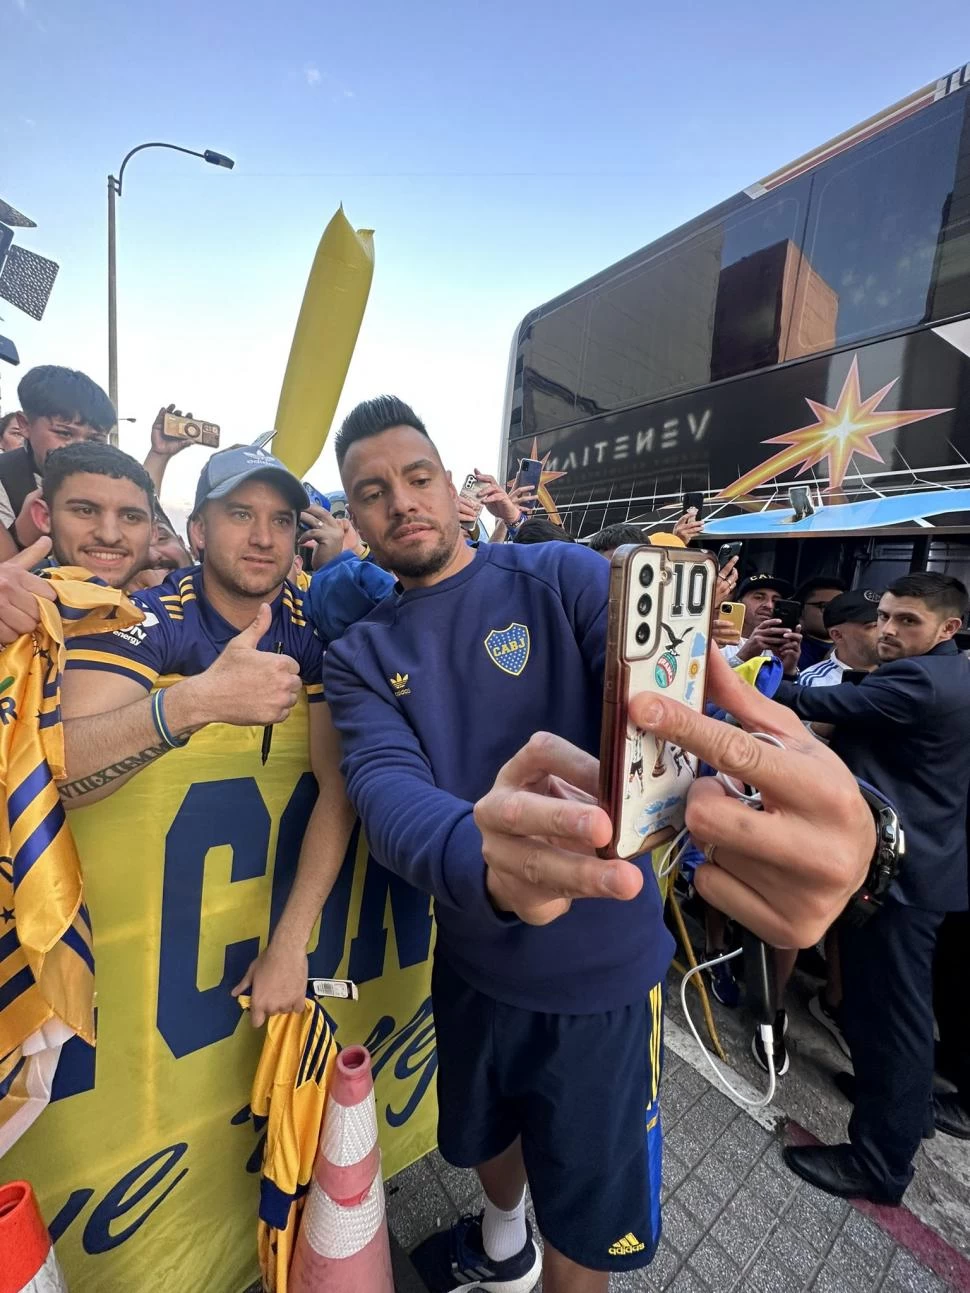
point(548, 1011)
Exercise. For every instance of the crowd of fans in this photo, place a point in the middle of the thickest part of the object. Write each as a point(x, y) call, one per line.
point(873, 673)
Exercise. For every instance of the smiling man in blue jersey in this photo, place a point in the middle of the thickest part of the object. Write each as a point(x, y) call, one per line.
point(233, 631)
point(547, 1011)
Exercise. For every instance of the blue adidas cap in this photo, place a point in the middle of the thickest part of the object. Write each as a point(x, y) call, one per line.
point(230, 468)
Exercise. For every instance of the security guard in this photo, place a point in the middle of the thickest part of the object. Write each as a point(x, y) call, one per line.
point(906, 730)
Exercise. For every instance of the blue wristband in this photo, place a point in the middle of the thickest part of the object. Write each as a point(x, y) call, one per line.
point(161, 727)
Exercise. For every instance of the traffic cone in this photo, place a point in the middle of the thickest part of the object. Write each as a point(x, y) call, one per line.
point(342, 1246)
point(27, 1260)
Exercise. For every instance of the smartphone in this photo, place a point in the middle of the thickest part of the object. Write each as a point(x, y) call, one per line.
point(317, 500)
point(473, 489)
point(725, 552)
point(529, 473)
point(180, 428)
point(315, 497)
point(760, 987)
point(658, 633)
point(696, 501)
point(788, 612)
point(733, 611)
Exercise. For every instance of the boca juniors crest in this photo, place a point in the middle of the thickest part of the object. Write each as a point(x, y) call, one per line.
point(509, 648)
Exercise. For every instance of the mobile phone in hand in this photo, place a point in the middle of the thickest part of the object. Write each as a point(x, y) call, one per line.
point(725, 552)
point(697, 502)
point(733, 611)
point(658, 634)
point(530, 475)
point(473, 489)
point(177, 427)
point(789, 613)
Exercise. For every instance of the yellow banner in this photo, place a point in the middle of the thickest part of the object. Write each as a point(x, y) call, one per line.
point(146, 1162)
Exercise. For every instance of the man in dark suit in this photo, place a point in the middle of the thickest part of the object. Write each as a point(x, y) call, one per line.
point(905, 728)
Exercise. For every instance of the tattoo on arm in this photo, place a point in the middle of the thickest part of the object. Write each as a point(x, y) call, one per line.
point(97, 780)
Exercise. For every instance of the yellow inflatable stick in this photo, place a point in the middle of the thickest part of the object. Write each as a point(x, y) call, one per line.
point(323, 343)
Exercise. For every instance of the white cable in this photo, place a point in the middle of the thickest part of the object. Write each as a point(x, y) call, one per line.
point(674, 853)
point(754, 799)
point(765, 1030)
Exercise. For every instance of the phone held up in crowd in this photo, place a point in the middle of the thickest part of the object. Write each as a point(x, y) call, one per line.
point(176, 427)
point(529, 475)
point(787, 613)
point(661, 605)
point(725, 552)
point(695, 501)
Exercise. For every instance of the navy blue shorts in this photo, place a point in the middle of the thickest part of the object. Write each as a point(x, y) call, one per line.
point(581, 1091)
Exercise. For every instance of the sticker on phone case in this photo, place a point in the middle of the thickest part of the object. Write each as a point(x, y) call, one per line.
point(697, 650)
point(665, 670)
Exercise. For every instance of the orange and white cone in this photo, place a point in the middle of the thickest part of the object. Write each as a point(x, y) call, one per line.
point(342, 1246)
point(27, 1261)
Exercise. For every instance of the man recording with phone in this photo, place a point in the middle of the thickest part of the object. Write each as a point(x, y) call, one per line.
point(508, 642)
point(763, 631)
point(905, 729)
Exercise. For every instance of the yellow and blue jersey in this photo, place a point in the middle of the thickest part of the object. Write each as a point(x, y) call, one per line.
point(288, 1102)
point(182, 635)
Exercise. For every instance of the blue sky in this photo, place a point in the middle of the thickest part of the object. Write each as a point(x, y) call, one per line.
point(502, 152)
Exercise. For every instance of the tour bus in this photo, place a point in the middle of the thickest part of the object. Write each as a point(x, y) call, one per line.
point(800, 355)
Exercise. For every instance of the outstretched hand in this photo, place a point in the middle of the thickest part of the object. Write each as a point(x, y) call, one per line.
point(785, 872)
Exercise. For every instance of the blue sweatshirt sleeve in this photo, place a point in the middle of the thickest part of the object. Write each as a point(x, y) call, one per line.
point(343, 592)
point(423, 834)
point(584, 583)
point(897, 693)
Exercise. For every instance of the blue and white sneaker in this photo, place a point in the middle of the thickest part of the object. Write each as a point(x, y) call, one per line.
point(453, 1261)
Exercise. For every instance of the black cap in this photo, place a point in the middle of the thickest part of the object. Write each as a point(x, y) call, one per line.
point(762, 580)
point(815, 583)
point(858, 607)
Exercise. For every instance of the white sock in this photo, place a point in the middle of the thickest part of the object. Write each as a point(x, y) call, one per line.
point(503, 1233)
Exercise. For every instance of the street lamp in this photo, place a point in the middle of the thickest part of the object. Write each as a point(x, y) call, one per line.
point(114, 191)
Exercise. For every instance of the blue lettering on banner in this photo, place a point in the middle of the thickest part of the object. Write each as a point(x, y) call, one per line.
point(97, 1237)
point(414, 1046)
point(213, 813)
point(411, 913)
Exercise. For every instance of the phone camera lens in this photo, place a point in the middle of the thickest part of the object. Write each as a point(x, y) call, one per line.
point(645, 604)
point(643, 634)
point(646, 575)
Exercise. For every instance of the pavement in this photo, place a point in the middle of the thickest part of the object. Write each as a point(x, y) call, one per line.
point(734, 1217)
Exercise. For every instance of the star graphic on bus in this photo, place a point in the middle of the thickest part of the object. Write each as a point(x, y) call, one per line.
point(837, 433)
point(545, 498)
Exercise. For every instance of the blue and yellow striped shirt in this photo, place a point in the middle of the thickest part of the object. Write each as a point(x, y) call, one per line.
point(182, 635)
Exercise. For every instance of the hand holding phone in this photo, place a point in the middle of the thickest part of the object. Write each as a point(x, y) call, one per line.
point(658, 635)
point(529, 476)
point(787, 613)
point(176, 427)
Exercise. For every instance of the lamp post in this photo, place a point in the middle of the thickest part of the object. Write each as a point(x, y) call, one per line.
point(114, 192)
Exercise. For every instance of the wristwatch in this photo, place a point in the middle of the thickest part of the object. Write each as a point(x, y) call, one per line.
point(886, 860)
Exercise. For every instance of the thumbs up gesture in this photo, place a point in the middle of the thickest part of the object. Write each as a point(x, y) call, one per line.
point(19, 590)
point(245, 686)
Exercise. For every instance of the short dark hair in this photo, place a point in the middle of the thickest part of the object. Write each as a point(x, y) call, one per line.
point(5, 421)
point(820, 581)
point(371, 418)
point(541, 530)
point(94, 460)
point(941, 593)
point(53, 392)
point(614, 536)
